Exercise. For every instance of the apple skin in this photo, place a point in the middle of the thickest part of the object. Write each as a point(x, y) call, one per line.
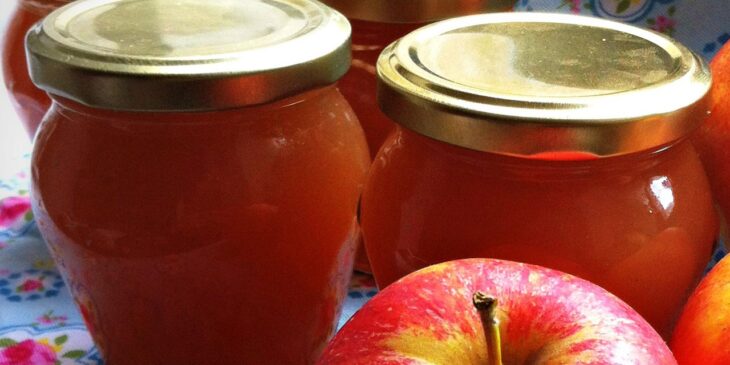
point(702, 335)
point(713, 137)
point(546, 317)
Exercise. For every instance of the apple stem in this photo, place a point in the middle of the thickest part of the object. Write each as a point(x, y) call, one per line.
point(486, 306)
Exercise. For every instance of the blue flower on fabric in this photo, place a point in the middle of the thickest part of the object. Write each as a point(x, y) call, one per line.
point(30, 285)
point(711, 47)
point(625, 10)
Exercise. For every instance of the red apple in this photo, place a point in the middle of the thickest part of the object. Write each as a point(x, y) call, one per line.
point(544, 317)
point(713, 138)
point(702, 335)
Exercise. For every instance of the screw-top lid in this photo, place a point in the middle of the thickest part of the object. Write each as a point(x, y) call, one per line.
point(527, 83)
point(415, 11)
point(163, 55)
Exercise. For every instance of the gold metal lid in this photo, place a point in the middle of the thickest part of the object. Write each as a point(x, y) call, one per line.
point(415, 11)
point(527, 83)
point(185, 55)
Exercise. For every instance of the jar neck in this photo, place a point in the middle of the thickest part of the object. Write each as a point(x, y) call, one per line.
point(42, 7)
point(378, 34)
point(551, 166)
point(71, 109)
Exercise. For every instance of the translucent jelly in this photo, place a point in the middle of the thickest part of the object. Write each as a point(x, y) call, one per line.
point(30, 102)
point(359, 83)
point(221, 237)
point(641, 225)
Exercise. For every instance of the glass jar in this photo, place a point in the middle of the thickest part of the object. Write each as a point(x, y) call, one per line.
point(375, 24)
point(559, 141)
point(359, 83)
point(197, 175)
point(30, 102)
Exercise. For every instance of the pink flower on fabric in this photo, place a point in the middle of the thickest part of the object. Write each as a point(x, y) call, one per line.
point(11, 209)
point(49, 318)
point(28, 352)
point(575, 7)
point(663, 23)
point(31, 285)
point(44, 320)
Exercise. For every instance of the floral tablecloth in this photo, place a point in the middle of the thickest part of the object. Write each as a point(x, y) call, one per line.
point(702, 25)
point(38, 321)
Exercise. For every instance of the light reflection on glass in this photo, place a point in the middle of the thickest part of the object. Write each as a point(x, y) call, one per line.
point(661, 188)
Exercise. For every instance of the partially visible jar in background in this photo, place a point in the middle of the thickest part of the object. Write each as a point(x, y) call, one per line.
point(30, 102)
point(197, 176)
point(376, 24)
point(554, 140)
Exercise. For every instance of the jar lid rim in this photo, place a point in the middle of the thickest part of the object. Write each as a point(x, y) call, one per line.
point(187, 55)
point(526, 83)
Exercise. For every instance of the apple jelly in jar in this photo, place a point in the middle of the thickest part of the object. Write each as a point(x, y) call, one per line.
point(198, 174)
point(375, 24)
point(554, 140)
point(30, 102)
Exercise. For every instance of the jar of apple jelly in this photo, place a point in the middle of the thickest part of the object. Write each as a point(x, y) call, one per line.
point(375, 24)
point(197, 175)
point(554, 140)
point(30, 103)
